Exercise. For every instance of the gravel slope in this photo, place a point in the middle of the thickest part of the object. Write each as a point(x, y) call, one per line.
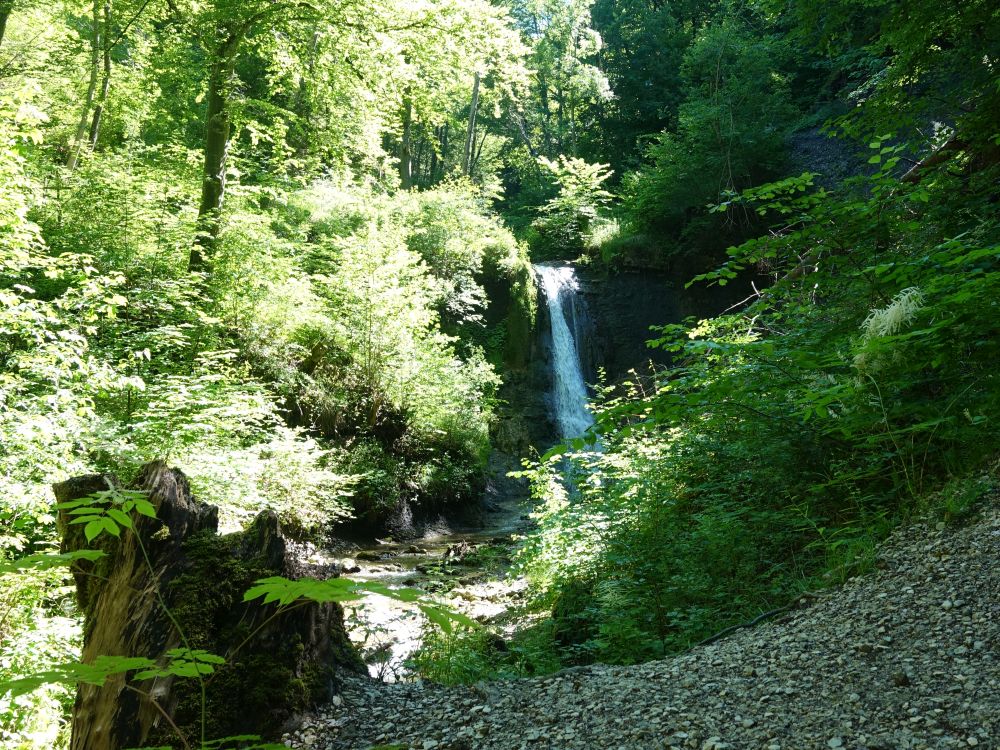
point(906, 657)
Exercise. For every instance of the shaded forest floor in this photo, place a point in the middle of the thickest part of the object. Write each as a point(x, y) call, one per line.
point(907, 656)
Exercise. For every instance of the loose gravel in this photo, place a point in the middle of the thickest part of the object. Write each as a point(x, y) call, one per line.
point(905, 657)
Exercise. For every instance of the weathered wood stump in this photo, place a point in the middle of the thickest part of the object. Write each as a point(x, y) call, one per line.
point(274, 669)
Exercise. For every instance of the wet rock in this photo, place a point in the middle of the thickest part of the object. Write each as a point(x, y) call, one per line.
point(458, 551)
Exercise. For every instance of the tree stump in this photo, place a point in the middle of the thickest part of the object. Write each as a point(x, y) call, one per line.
point(274, 670)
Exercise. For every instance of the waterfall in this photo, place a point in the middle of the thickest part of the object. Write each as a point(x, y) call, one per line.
point(569, 391)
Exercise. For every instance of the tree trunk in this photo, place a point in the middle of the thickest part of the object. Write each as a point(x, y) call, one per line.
point(470, 133)
point(405, 146)
point(939, 156)
point(479, 152)
point(444, 149)
point(543, 96)
point(218, 130)
point(118, 621)
point(95, 64)
point(418, 162)
point(95, 125)
point(434, 158)
point(305, 105)
point(572, 123)
point(560, 118)
point(310, 69)
point(6, 6)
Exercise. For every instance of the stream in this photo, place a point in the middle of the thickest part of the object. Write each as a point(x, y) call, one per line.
point(467, 569)
point(464, 569)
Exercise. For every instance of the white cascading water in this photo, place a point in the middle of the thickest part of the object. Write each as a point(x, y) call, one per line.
point(569, 391)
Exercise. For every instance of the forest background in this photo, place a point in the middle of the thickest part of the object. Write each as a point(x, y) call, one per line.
point(286, 247)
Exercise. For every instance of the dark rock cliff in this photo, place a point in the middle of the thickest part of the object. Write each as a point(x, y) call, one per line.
point(615, 316)
point(624, 306)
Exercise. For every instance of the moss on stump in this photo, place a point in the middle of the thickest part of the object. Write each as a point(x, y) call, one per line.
point(276, 666)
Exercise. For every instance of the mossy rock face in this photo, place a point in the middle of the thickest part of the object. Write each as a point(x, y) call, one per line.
point(521, 319)
point(276, 666)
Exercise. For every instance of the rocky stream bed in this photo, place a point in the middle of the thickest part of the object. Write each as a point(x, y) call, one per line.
point(465, 568)
point(907, 656)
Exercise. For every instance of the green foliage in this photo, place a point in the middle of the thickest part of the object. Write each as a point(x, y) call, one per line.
point(179, 663)
point(107, 512)
point(369, 313)
point(961, 497)
point(455, 658)
point(44, 405)
point(338, 350)
point(566, 219)
point(569, 86)
point(92, 674)
point(730, 135)
point(907, 63)
point(789, 437)
point(644, 46)
point(465, 656)
point(286, 592)
point(48, 560)
point(323, 332)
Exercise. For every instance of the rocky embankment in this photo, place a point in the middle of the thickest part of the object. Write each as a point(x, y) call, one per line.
point(905, 657)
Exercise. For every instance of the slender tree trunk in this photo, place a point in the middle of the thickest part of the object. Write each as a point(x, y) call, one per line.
point(310, 68)
point(560, 118)
point(95, 65)
point(305, 103)
point(522, 130)
point(572, 124)
point(6, 6)
point(434, 158)
point(543, 95)
point(479, 151)
point(418, 162)
point(218, 129)
point(95, 125)
point(470, 133)
point(405, 157)
point(444, 149)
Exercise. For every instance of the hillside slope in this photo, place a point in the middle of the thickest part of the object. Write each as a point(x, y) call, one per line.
point(906, 657)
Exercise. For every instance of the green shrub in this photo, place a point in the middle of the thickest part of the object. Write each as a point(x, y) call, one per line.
point(789, 437)
point(726, 140)
point(368, 312)
point(564, 221)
